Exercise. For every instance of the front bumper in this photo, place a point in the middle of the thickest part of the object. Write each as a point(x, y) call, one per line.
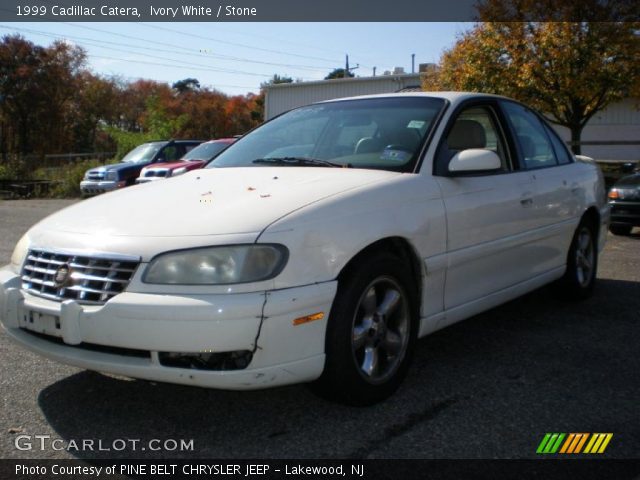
point(133, 328)
point(625, 213)
point(94, 187)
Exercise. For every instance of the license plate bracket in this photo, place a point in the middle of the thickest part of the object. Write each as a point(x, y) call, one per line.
point(41, 322)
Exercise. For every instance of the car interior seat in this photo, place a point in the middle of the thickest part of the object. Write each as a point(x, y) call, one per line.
point(466, 134)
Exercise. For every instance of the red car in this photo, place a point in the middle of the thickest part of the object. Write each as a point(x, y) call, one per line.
point(192, 160)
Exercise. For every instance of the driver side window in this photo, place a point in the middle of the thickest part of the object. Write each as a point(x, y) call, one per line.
point(474, 127)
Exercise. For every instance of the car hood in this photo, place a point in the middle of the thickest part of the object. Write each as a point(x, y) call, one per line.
point(117, 166)
point(174, 165)
point(632, 181)
point(216, 201)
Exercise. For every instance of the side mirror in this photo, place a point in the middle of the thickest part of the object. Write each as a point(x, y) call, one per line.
point(474, 160)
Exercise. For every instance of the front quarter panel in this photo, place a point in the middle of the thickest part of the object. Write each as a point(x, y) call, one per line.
point(324, 237)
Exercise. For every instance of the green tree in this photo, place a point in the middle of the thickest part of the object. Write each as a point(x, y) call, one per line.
point(339, 73)
point(158, 125)
point(186, 85)
point(275, 80)
point(568, 70)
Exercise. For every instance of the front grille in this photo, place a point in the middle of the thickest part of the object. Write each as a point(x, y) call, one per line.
point(86, 279)
point(156, 173)
point(95, 176)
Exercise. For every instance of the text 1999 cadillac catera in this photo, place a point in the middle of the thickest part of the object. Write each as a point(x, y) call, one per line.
point(318, 247)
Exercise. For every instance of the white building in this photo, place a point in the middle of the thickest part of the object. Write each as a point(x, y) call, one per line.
point(285, 96)
point(620, 122)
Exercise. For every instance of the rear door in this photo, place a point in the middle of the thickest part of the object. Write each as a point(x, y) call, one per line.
point(557, 186)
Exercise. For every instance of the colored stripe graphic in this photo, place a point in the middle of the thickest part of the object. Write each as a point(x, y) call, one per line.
point(550, 443)
point(543, 443)
point(567, 443)
point(574, 443)
point(598, 443)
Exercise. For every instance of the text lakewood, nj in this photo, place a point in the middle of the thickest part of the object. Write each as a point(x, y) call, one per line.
point(182, 12)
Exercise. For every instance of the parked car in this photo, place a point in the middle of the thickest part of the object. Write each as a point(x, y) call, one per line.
point(196, 158)
point(119, 175)
point(624, 199)
point(317, 248)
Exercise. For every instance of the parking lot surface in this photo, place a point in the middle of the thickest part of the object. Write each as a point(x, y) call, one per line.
point(488, 387)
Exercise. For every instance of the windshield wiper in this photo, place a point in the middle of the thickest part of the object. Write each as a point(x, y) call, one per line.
point(299, 161)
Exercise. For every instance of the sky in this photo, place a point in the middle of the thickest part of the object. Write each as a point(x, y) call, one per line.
point(236, 57)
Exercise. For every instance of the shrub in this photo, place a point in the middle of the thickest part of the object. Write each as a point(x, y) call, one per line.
point(67, 179)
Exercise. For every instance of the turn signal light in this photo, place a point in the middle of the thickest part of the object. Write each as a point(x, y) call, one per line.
point(614, 194)
point(309, 318)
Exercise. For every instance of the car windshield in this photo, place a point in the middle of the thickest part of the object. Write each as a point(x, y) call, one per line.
point(375, 133)
point(143, 153)
point(205, 151)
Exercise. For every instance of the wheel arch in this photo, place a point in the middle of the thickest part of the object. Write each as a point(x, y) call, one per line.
point(398, 246)
point(592, 216)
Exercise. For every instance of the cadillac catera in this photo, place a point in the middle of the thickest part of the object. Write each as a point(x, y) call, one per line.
point(317, 248)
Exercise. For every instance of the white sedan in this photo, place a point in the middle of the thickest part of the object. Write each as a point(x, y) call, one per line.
point(318, 247)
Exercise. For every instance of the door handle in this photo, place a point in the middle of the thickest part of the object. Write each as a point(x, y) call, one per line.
point(526, 200)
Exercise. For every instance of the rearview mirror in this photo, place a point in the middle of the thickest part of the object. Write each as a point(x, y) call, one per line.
point(474, 160)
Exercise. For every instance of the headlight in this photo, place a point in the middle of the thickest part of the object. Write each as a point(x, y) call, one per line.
point(19, 253)
point(217, 265)
point(111, 175)
point(177, 171)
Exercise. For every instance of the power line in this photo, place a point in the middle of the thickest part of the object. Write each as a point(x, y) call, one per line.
point(235, 44)
point(186, 51)
point(97, 44)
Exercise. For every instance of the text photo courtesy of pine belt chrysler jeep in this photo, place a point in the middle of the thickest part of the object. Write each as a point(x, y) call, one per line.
point(317, 248)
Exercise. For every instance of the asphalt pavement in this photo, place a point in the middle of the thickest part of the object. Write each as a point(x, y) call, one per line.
point(488, 387)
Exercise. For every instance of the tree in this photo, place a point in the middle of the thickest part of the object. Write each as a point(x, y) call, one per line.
point(96, 104)
point(339, 73)
point(38, 90)
point(186, 85)
point(568, 70)
point(275, 80)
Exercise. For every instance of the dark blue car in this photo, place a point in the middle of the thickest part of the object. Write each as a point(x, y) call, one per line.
point(110, 177)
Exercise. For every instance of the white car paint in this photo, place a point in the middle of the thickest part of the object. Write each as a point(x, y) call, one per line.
point(479, 240)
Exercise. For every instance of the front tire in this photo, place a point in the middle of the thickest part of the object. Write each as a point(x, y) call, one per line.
point(582, 263)
point(371, 332)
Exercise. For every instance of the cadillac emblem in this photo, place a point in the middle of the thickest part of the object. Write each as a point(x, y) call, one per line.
point(62, 277)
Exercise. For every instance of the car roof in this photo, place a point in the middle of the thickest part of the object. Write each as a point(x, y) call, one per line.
point(453, 97)
point(221, 140)
point(174, 141)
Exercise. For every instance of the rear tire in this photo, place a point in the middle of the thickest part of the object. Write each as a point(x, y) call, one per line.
point(582, 263)
point(371, 332)
point(622, 230)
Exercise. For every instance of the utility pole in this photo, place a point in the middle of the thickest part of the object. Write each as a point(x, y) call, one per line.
point(413, 63)
point(347, 69)
point(374, 71)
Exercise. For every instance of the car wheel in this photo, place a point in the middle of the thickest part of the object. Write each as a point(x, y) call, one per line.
point(582, 263)
point(620, 229)
point(371, 332)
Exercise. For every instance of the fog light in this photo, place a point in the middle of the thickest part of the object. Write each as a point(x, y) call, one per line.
point(236, 360)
